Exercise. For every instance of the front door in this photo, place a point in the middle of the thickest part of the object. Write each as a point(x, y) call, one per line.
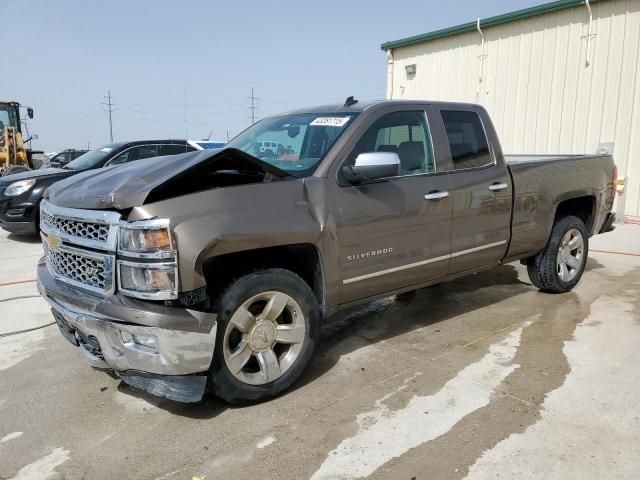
point(395, 232)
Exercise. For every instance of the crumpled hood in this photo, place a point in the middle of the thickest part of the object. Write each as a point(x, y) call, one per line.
point(126, 186)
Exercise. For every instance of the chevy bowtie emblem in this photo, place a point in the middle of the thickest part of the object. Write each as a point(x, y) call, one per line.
point(53, 242)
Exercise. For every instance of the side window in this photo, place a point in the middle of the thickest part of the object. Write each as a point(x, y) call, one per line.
point(467, 139)
point(174, 149)
point(119, 159)
point(62, 158)
point(143, 151)
point(404, 133)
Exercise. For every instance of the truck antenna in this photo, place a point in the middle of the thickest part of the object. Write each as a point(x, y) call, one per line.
point(350, 101)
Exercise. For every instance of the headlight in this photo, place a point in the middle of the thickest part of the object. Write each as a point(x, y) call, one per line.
point(154, 281)
point(155, 275)
point(19, 187)
point(147, 239)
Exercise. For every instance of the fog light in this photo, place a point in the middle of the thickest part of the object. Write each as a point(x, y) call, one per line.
point(138, 341)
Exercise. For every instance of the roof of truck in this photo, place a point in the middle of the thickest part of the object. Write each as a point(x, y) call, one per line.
point(362, 106)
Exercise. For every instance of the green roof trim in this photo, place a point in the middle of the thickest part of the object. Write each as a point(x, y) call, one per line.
point(486, 22)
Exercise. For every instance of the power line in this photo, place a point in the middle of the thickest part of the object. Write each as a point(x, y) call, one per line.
point(109, 106)
point(253, 108)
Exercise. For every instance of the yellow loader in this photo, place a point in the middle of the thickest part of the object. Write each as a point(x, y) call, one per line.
point(15, 156)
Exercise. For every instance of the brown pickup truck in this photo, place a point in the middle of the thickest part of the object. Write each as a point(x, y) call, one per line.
point(213, 270)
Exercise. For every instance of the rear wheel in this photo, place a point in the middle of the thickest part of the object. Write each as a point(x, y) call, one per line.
point(267, 327)
point(559, 267)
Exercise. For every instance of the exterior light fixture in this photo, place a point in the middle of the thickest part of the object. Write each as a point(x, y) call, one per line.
point(410, 69)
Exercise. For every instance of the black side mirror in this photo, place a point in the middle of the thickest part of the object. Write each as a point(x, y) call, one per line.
point(372, 166)
point(293, 131)
point(30, 112)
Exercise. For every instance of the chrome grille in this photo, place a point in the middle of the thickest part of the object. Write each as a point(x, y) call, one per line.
point(96, 229)
point(88, 270)
point(80, 246)
point(98, 232)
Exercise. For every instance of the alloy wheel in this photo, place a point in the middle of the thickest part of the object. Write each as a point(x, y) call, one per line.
point(264, 338)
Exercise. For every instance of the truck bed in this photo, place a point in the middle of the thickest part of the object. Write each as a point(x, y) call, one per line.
point(541, 182)
point(527, 158)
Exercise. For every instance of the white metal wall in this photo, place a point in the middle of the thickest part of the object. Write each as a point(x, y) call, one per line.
point(535, 83)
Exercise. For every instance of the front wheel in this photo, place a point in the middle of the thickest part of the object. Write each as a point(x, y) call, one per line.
point(267, 328)
point(559, 267)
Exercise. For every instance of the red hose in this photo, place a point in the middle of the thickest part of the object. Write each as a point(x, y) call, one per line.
point(615, 252)
point(6, 284)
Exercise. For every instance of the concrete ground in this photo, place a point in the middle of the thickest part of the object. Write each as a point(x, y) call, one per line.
point(483, 377)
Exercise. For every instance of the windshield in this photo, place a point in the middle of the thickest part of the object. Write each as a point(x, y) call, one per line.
point(293, 143)
point(8, 116)
point(94, 158)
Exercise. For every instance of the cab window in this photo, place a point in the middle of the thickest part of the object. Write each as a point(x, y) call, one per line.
point(404, 133)
point(467, 139)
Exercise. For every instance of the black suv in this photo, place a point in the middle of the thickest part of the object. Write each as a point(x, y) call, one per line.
point(21, 193)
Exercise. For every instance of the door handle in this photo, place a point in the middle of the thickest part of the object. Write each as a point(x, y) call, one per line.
point(497, 186)
point(436, 195)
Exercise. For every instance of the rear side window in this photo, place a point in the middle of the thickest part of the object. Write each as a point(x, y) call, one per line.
point(467, 139)
point(174, 149)
point(144, 151)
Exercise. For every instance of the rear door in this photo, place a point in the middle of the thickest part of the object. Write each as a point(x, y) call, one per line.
point(481, 190)
point(389, 235)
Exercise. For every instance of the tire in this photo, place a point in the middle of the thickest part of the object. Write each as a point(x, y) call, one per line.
point(250, 364)
point(558, 268)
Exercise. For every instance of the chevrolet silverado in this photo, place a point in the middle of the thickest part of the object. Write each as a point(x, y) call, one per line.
point(212, 270)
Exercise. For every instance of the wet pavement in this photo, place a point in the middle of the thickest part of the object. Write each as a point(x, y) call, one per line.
point(483, 377)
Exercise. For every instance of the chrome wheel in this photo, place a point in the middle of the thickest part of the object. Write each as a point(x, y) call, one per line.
point(264, 338)
point(570, 255)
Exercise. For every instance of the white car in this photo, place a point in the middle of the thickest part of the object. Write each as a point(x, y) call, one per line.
point(205, 144)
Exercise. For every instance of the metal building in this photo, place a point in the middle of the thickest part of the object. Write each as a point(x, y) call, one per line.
point(563, 77)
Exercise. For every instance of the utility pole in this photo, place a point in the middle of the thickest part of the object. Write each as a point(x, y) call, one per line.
point(253, 108)
point(186, 128)
point(109, 106)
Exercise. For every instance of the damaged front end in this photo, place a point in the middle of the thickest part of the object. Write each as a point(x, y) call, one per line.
point(113, 283)
point(161, 360)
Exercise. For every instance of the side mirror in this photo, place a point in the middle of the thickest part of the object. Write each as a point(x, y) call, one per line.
point(30, 112)
point(55, 165)
point(372, 166)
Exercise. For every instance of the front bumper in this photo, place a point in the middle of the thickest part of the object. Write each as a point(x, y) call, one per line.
point(176, 370)
point(18, 214)
point(19, 227)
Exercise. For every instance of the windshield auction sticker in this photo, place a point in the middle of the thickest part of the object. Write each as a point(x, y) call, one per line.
point(330, 121)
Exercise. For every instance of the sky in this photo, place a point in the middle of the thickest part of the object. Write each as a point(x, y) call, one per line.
point(154, 54)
